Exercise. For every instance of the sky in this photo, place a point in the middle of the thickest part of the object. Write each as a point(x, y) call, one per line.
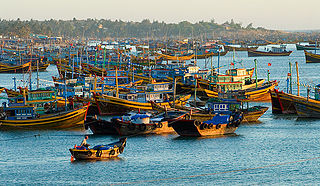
point(270, 14)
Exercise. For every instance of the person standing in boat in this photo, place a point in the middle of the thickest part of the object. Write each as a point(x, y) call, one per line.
point(84, 142)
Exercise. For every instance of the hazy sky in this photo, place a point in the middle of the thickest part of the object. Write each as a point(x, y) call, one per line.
point(272, 14)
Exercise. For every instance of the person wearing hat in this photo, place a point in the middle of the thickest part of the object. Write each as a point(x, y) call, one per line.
point(84, 142)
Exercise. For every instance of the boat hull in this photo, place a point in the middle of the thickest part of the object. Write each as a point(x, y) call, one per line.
point(123, 128)
point(194, 128)
point(283, 103)
point(109, 104)
point(71, 119)
point(252, 53)
point(204, 56)
point(98, 154)
point(306, 109)
point(312, 58)
point(260, 94)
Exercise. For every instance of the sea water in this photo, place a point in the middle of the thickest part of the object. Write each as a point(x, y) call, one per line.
point(279, 150)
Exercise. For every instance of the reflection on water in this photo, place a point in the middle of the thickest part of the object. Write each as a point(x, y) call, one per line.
point(115, 159)
point(205, 137)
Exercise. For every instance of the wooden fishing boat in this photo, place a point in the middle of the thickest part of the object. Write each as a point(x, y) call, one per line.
point(25, 117)
point(207, 55)
point(283, 103)
point(99, 152)
point(256, 53)
point(41, 67)
point(177, 58)
point(135, 124)
point(240, 48)
point(307, 108)
point(260, 94)
point(111, 105)
point(252, 114)
point(307, 47)
point(311, 57)
point(218, 125)
point(139, 99)
point(15, 69)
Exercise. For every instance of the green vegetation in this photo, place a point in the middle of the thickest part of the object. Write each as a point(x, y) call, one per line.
point(107, 28)
point(94, 28)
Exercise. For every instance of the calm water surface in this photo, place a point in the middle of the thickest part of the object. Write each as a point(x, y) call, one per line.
point(172, 160)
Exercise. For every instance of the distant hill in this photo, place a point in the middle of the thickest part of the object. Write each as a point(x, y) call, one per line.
point(304, 31)
point(104, 28)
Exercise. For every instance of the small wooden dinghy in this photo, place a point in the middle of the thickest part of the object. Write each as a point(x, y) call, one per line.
point(99, 151)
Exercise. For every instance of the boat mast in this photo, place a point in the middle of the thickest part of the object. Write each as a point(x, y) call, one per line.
point(290, 80)
point(30, 70)
point(218, 60)
point(104, 60)
point(298, 84)
point(14, 83)
point(117, 87)
point(195, 92)
point(174, 91)
point(37, 74)
point(65, 90)
point(256, 72)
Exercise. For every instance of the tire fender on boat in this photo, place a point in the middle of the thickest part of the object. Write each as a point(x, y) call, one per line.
point(112, 152)
point(187, 117)
point(142, 127)
point(197, 122)
point(89, 153)
point(131, 126)
point(99, 153)
point(218, 126)
point(160, 125)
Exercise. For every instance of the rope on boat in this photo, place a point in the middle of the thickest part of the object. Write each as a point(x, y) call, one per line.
point(216, 173)
point(22, 137)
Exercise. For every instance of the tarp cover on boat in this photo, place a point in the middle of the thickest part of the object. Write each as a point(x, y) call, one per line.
point(141, 116)
point(102, 147)
point(219, 119)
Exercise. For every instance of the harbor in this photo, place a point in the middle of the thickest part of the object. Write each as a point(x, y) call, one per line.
point(274, 149)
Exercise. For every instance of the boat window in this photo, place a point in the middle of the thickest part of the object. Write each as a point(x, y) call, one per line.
point(223, 107)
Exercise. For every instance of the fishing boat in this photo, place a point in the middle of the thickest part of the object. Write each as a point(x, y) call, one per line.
point(218, 125)
point(239, 48)
point(283, 103)
point(257, 94)
point(99, 152)
point(140, 98)
point(24, 117)
point(203, 55)
point(307, 107)
point(177, 58)
point(312, 57)
point(223, 106)
point(269, 51)
point(15, 69)
point(307, 46)
point(134, 124)
point(37, 109)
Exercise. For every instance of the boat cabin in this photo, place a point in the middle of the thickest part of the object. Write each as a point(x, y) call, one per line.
point(158, 86)
point(223, 107)
point(317, 92)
